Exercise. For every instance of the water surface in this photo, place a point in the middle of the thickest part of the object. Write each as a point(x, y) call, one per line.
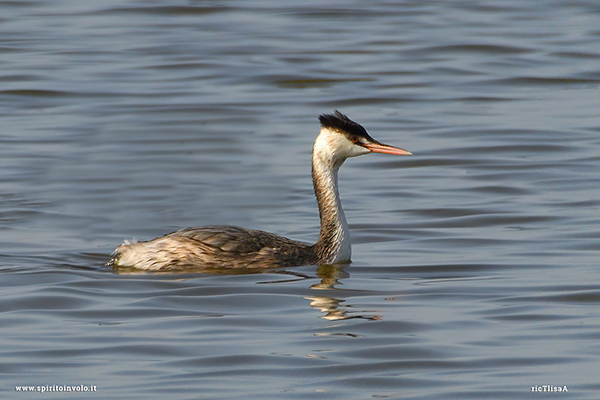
point(475, 270)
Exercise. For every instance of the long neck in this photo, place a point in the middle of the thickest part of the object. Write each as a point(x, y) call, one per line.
point(333, 245)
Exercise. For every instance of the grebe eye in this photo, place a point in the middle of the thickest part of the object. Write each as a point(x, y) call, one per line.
point(355, 139)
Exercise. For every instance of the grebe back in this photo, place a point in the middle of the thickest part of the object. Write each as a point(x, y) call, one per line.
point(221, 247)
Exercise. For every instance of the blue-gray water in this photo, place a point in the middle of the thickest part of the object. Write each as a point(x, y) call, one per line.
point(476, 264)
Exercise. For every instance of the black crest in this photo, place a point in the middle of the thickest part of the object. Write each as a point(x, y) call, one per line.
point(342, 123)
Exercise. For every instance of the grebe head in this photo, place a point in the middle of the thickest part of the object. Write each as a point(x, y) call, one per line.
point(341, 138)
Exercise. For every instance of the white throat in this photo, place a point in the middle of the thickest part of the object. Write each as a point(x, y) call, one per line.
point(333, 245)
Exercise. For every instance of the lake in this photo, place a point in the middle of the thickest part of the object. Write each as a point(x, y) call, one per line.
point(475, 267)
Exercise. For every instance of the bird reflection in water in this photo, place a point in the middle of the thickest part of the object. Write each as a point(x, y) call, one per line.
point(334, 309)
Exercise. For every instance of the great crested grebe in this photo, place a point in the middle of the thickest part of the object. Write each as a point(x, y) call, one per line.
point(225, 247)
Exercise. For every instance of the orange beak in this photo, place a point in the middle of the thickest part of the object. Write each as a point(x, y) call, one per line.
point(386, 149)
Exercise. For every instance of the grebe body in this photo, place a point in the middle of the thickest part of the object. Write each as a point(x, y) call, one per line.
point(222, 247)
